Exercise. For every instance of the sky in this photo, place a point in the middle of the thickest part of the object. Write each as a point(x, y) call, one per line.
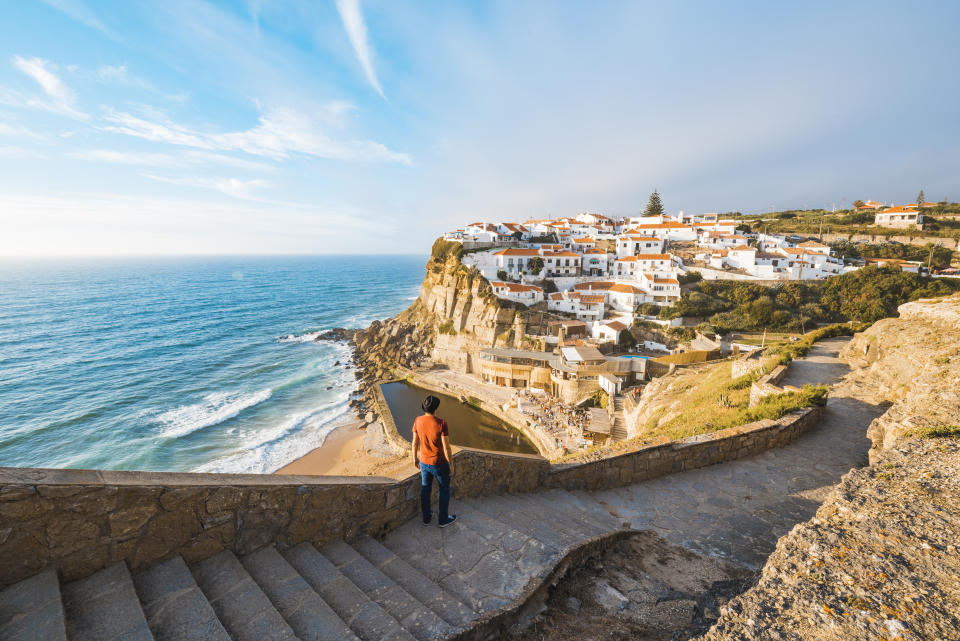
point(373, 126)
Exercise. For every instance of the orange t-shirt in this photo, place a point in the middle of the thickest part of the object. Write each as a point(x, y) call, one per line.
point(430, 428)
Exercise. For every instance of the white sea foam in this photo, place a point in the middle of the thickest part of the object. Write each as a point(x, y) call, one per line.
point(308, 337)
point(262, 451)
point(215, 408)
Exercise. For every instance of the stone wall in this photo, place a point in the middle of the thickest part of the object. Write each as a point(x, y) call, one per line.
point(768, 385)
point(651, 461)
point(747, 364)
point(80, 521)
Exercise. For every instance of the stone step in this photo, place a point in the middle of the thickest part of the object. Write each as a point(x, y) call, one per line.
point(461, 561)
point(560, 513)
point(528, 553)
point(300, 606)
point(414, 616)
point(175, 607)
point(243, 608)
point(523, 520)
point(31, 610)
point(105, 607)
point(365, 617)
point(596, 510)
point(447, 606)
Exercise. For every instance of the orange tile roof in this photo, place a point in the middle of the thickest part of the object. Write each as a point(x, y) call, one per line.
point(554, 254)
point(635, 239)
point(591, 298)
point(513, 251)
point(595, 251)
point(667, 281)
point(899, 210)
point(516, 287)
point(743, 248)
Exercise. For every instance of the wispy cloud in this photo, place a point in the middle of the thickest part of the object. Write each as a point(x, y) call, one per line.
point(76, 10)
point(231, 186)
point(356, 28)
point(186, 159)
point(62, 99)
point(280, 133)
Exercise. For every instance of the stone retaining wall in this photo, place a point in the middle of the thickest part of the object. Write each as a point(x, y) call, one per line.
point(80, 521)
point(651, 461)
point(769, 385)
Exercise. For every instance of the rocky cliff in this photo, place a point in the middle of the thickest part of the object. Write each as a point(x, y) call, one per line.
point(913, 362)
point(880, 559)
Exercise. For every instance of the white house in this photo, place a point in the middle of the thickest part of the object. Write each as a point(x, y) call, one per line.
point(899, 218)
point(512, 229)
point(607, 331)
point(515, 261)
point(517, 292)
point(586, 306)
point(623, 297)
point(661, 289)
point(633, 266)
point(582, 244)
point(595, 262)
point(633, 244)
point(561, 263)
point(669, 230)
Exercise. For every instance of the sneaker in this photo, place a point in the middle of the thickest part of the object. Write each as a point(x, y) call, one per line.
point(450, 519)
point(427, 522)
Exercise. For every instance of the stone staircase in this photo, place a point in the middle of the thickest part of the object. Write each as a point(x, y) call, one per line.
point(418, 584)
point(618, 428)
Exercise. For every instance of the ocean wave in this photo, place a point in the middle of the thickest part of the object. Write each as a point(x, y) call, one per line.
point(215, 408)
point(265, 451)
point(308, 337)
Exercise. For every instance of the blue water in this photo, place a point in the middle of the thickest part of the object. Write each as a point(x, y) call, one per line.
point(183, 364)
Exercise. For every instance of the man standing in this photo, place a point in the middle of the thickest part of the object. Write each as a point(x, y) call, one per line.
point(431, 453)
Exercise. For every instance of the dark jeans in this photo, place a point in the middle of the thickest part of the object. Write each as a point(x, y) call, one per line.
point(427, 473)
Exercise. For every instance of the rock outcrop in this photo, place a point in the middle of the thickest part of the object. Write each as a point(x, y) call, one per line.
point(880, 559)
point(913, 362)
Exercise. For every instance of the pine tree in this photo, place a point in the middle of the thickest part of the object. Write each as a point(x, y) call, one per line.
point(920, 198)
point(655, 206)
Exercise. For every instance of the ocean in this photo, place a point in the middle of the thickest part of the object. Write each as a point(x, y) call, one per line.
point(183, 364)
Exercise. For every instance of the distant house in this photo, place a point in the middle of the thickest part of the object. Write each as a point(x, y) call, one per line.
point(514, 260)
point(899, 218)
point(586, 307)
point(608, 331)
point(870, 204)
point(631, 244)
point(517, 292)
point(911, 266)
point(595, 263)
point(568, 329)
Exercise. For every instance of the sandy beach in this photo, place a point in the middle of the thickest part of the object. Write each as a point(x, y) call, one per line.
point(343, 454)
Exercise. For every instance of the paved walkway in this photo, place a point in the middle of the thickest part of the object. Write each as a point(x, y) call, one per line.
point(738, 510)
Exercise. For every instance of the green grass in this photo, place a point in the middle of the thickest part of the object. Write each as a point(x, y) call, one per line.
point(789, 351)
point(447, 328)
point(939, 431)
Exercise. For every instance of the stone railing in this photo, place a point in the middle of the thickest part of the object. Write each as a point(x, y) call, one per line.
point(79, 521)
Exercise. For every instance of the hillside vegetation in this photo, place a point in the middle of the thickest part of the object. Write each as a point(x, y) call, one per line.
point(866, 295)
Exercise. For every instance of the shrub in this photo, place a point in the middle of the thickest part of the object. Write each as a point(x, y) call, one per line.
point(938, 431)
point(501, 274)
point(447, 328)
point(648, 309)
